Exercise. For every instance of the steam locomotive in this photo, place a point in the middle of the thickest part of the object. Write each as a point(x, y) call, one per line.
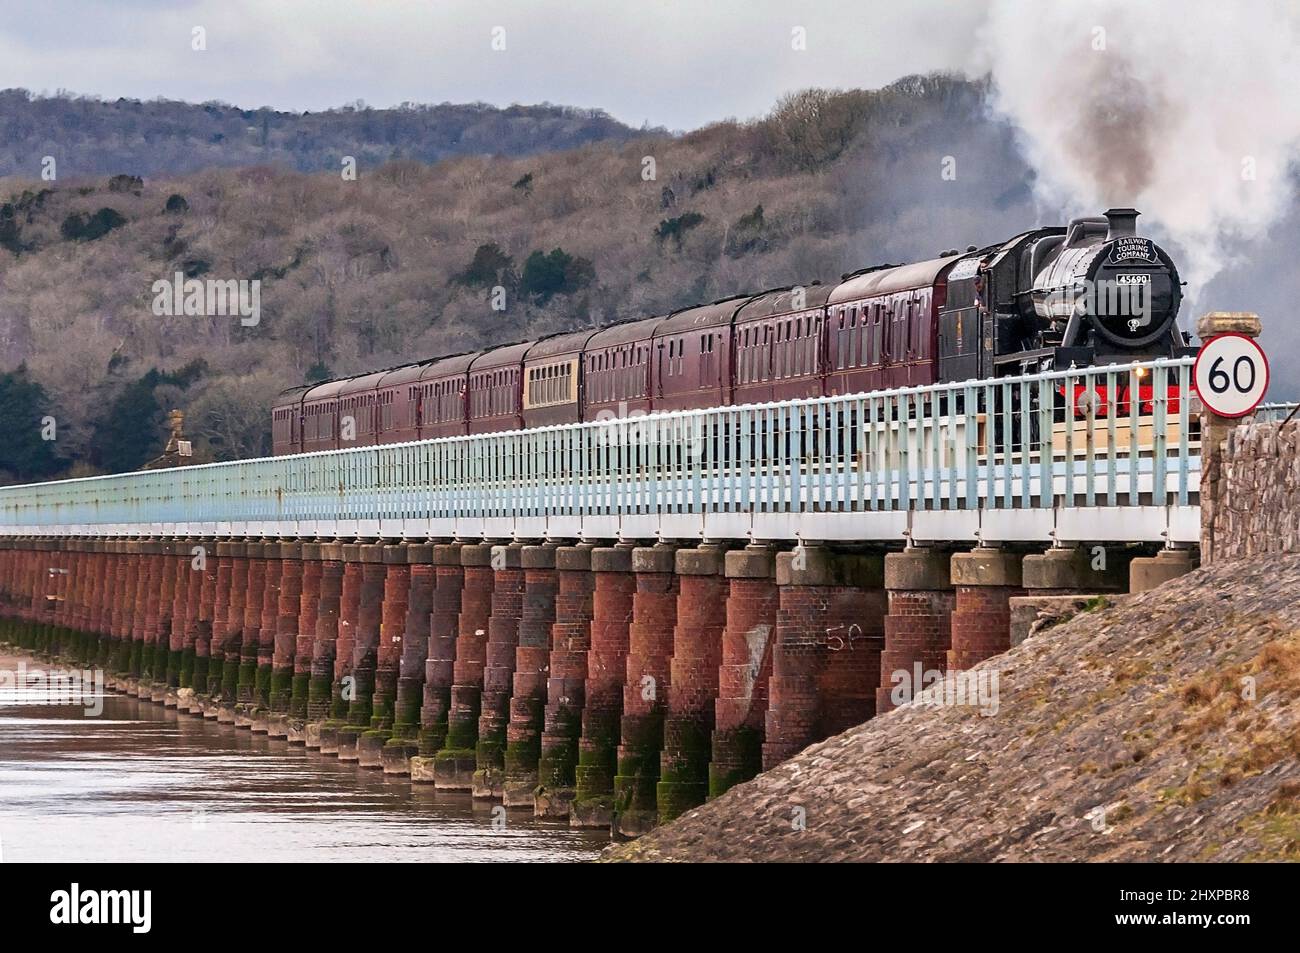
point(1091, 293)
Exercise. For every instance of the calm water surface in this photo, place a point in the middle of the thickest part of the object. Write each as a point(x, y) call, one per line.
point(139, 782)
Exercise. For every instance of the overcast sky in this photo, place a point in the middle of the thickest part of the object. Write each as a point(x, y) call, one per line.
point(673, 63)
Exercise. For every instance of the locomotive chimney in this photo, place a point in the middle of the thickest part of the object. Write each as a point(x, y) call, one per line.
point(1123, 222)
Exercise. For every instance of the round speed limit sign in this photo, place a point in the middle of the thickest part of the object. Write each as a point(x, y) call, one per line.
point(1231, 374)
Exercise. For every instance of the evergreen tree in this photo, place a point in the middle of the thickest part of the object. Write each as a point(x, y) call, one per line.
point(490, 266)
point(133, 428)
point(25, 453)
point(546, 275)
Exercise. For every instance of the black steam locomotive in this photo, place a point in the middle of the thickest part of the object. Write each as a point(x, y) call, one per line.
point(1054, 298)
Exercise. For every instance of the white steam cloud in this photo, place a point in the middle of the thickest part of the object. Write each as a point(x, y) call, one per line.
point(1185, 110)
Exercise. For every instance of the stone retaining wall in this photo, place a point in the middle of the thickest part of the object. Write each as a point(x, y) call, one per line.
point(1250, 496)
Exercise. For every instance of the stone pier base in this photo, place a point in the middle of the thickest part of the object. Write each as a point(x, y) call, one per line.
point(1147, 572)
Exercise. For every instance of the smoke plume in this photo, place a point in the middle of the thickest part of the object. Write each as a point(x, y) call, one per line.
point(1184, 110)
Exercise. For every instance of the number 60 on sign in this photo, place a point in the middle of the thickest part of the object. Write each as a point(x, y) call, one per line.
point(1231, 374)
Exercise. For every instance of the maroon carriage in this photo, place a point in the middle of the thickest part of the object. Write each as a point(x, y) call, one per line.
point(443, 396)
point(399, 403)
point(286, 421)
point(883, 327)
point(692, 356)
point(779, 348)
point(553, 380)
point(320, 416)
point(495, 389)
point(616, 378)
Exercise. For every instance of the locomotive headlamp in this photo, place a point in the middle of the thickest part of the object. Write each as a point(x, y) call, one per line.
point(1141, 372)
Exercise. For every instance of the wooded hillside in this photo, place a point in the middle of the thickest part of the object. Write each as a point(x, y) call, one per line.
point(400, 264)
point(88, 135)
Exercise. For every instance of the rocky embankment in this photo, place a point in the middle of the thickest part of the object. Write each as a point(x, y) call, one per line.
point(1165, 728)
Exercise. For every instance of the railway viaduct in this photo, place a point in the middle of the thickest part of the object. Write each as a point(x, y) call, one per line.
point(614, 622)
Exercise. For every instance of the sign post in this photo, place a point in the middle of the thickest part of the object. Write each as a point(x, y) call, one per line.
point(1231, 376)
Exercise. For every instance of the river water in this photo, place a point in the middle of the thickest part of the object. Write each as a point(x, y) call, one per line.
point(138, 782)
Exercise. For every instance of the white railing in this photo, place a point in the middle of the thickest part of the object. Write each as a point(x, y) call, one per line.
point(1273, 413)
point(977, 447)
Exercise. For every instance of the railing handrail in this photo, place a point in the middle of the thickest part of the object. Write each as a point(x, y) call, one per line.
point(947, 457)
point(652, 416)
